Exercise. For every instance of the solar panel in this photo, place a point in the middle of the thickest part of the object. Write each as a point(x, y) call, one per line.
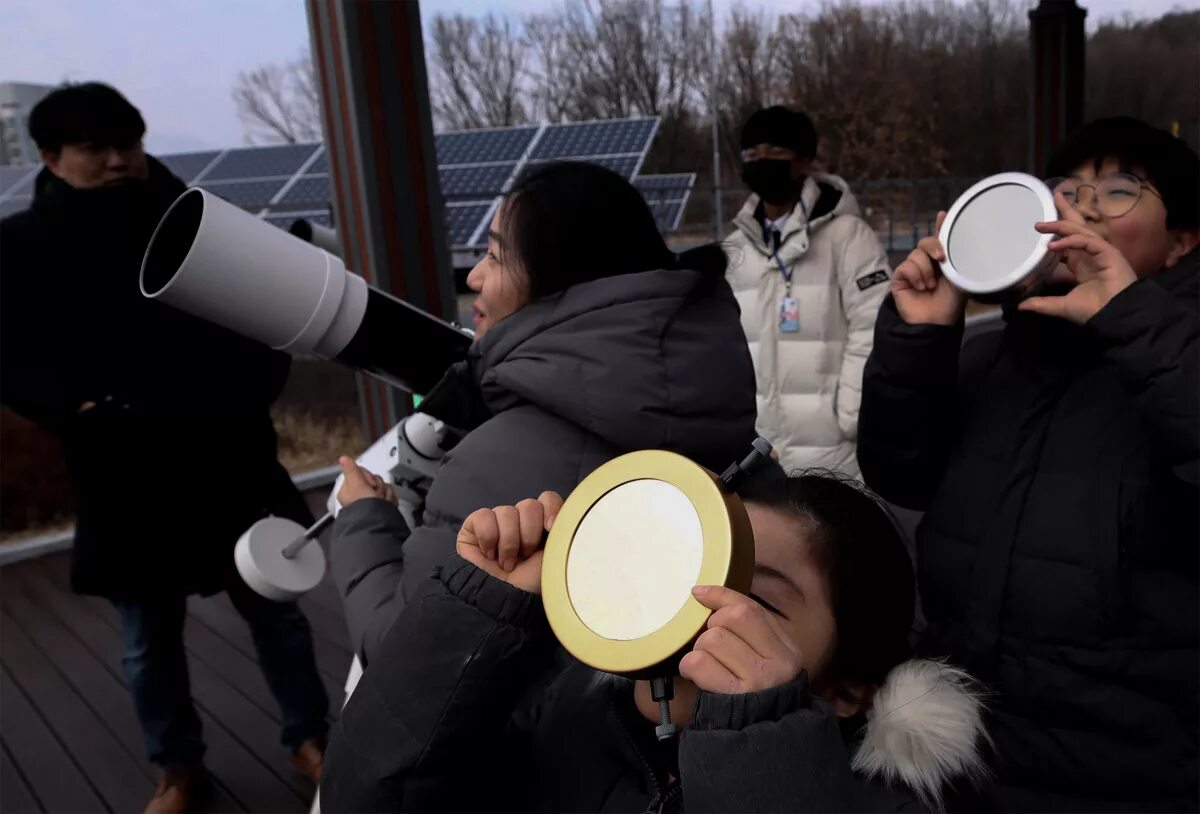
point(595, 138)
point(666, 214)
point(623, 165)
point(667, 196)
point(261, 162)
point(11, 206)
point(11, 177)
point(472, 182)
point(246, 194)
point(476, 146)
point(463, 219)
point(321, 165)
point(24, 186)
point(680, 183)
point(186, 166)
point(285, 221)
point(309, 192)
point(474, 167)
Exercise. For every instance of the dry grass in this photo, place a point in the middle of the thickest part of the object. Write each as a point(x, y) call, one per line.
point(309, 441)
point(35, 497)
point(34, 493)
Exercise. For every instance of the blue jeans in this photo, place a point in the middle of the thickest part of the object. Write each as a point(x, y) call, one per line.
point(156, 669)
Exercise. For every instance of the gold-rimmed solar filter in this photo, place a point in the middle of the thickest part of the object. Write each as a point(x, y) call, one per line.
point(626, 549)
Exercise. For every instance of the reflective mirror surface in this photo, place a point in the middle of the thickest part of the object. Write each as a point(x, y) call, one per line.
point(634, 559)
point(993, 234)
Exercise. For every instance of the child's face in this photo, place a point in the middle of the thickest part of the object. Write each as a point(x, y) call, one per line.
point(1141, 234)
point(789, 583)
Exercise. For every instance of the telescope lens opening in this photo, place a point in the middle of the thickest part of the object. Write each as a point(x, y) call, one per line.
point(171, 242)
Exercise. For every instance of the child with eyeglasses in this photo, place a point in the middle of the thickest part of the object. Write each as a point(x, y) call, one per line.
point(1057, 465)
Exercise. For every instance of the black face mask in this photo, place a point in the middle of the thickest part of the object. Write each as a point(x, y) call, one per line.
point(770, 179)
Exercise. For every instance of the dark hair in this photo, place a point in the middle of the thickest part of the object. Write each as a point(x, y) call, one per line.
point(782, 127)
point(1167, 162)
point(571, 222)
point(90, 113)
point(857, 544)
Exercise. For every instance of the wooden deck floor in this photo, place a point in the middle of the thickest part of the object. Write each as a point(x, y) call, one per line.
point(69, 740)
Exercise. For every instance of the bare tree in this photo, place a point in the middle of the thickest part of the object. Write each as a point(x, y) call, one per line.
point(279, 102)
point(748, 60)
point(615, 58)
point(1147, 69)
point(553, 78)
point(479, 68)
point(914, 88)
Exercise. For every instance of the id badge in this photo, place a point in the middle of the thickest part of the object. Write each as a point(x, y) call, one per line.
point(789, 315)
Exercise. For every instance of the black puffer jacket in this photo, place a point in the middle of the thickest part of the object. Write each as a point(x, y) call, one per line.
point(1058, 558)
point(431, 727)
point(653, 360)
point(178, 457)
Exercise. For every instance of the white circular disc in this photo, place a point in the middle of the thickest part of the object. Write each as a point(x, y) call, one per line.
point(988, 234)
point(634, 559)
point(260, 561)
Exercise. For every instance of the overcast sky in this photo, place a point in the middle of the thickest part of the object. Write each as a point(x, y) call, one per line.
point(177, 59)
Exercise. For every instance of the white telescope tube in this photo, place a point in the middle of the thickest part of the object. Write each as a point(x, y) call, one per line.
point(316, 234)
point(218, 262)
point(215, 261)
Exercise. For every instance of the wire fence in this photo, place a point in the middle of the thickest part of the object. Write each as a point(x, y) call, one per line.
point(900, 210)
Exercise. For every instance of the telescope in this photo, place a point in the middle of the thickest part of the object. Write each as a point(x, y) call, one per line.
point(218, 262)
point(316, 234)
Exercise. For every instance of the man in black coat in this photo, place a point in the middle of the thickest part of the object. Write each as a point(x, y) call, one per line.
point(164, 420)
point(1058, 465)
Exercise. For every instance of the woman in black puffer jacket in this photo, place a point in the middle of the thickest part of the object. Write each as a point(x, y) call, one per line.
point(593, 339)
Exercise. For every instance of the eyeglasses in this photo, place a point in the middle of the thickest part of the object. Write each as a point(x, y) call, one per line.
point(767, 151)
point(1114, 195)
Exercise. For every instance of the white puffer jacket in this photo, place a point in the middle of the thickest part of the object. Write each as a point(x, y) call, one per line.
point(810, 382)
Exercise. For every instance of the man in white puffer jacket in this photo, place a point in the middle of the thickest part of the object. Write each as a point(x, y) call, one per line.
point(809, 274)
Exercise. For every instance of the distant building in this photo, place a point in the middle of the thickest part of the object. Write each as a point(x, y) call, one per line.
point(16, 101)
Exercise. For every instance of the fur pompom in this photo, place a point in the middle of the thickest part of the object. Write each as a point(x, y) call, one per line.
point(924, 730)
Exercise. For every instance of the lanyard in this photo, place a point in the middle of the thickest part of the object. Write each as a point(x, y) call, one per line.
point(775, 240)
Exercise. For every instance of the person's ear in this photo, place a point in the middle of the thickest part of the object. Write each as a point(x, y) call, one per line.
point(849, 697)
point(1183, 241)
point(52, 159)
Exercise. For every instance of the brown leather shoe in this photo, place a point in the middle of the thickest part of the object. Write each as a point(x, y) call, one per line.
point(309, 758)
point(179, 789)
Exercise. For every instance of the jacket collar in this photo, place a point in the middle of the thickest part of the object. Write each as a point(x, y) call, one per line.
point(105, 208)
point(824, 197)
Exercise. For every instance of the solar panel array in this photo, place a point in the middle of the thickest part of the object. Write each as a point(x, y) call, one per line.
point(16, 189)
point(284, 182)
point(667, 196)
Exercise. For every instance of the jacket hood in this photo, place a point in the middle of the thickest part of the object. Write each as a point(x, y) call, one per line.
point(924, 730)
point(825, 197)
point(649, 360)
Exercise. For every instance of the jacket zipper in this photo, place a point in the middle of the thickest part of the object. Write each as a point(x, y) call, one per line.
point(659, 801)
point(672, 795)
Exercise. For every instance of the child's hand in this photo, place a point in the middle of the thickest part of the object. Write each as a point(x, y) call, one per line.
point(1098, 269)
point(745, 649)
point(359, 484)
point(923, 295)
point(507, 541)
